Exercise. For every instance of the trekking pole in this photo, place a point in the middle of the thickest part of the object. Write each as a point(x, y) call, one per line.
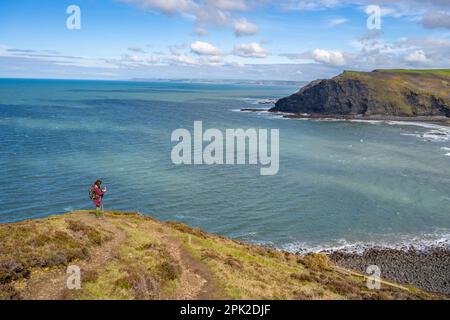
point(104, 189)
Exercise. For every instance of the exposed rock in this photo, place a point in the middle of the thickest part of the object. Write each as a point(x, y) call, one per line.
point(400, 93)
point(429, 270)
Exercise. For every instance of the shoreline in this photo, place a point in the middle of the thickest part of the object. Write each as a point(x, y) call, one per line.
point(425, 266)
point(425, 119)
point(426, 269)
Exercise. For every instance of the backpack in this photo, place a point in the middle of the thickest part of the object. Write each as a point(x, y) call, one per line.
point(92, 194)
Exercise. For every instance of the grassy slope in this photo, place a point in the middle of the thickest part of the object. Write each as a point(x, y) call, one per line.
point(128, 256)
point(439, 72)
point(390, 86)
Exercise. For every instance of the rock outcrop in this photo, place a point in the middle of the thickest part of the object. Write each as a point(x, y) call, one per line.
point(382, 93)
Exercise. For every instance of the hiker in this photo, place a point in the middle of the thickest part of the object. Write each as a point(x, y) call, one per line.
point(96, 194)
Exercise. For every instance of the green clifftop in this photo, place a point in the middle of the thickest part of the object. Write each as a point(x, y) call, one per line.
point(130, 256)
point(381, 93)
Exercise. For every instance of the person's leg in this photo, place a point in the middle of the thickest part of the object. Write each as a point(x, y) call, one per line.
point(97, 212)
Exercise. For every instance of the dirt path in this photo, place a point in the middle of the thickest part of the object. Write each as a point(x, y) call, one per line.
point(53, 285)
point(196, 281)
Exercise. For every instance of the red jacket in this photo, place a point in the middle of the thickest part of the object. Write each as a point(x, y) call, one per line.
point(99, 196)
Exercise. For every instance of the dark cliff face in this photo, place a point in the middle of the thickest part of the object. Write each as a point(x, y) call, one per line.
point(327, 97)
point(374, 93)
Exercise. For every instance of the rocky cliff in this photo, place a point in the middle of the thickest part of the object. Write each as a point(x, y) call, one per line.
point(381, 93)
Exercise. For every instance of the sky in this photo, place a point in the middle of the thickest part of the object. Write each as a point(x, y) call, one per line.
point(298, 40)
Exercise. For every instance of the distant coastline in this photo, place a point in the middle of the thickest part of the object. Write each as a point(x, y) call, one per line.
point(228, 81)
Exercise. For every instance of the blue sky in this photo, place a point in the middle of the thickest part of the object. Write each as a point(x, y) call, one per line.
point(223, 39)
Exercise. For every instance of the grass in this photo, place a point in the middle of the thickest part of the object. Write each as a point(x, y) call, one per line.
point(251, 272)
point(151, 261)
point(400, 92)
point(41, 245)
point(142, 269)
point(440, 72)
point(35, 244)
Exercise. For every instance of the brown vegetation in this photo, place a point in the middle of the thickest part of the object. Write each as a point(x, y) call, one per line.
point(129, 256)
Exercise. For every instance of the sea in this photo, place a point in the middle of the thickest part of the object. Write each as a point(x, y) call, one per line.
point(340, 185)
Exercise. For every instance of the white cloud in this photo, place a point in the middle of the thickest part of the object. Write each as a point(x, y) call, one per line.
point(434, 12)
point(373, 53)
point(200, 31)
point(212, 61)
point(230, 5)
point(337, 21)
point(202, 54)
point(131, 61)
point(384, 11)
point(250, 50)
point(369, 53)
point(183, 60)
point(139, 59)
point(436, 20)
point(405, 6)
point(205, 49)
point(3, 50)
point(135, 49)
point(418, 56)
point(169, 7)
point(304, 5)
point(214, 12)
point(419, 52)
point(242, 27)
point(328, 57)
point(235, 64)
point(211, 15)
point(187, 60)
point(175, 49)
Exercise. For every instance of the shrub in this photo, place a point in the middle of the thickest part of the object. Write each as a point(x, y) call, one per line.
point(315, 262)
point(12, 270)
point(89, 276)
point(186, 229)
point(169, 270)
point(234, 263)
point(93, 235)
point(144, 287)
point(8, 292)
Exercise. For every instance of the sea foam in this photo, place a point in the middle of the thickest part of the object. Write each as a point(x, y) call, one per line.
point(421, 242)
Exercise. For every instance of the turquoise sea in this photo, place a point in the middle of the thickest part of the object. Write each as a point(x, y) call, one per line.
point(340, 184)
